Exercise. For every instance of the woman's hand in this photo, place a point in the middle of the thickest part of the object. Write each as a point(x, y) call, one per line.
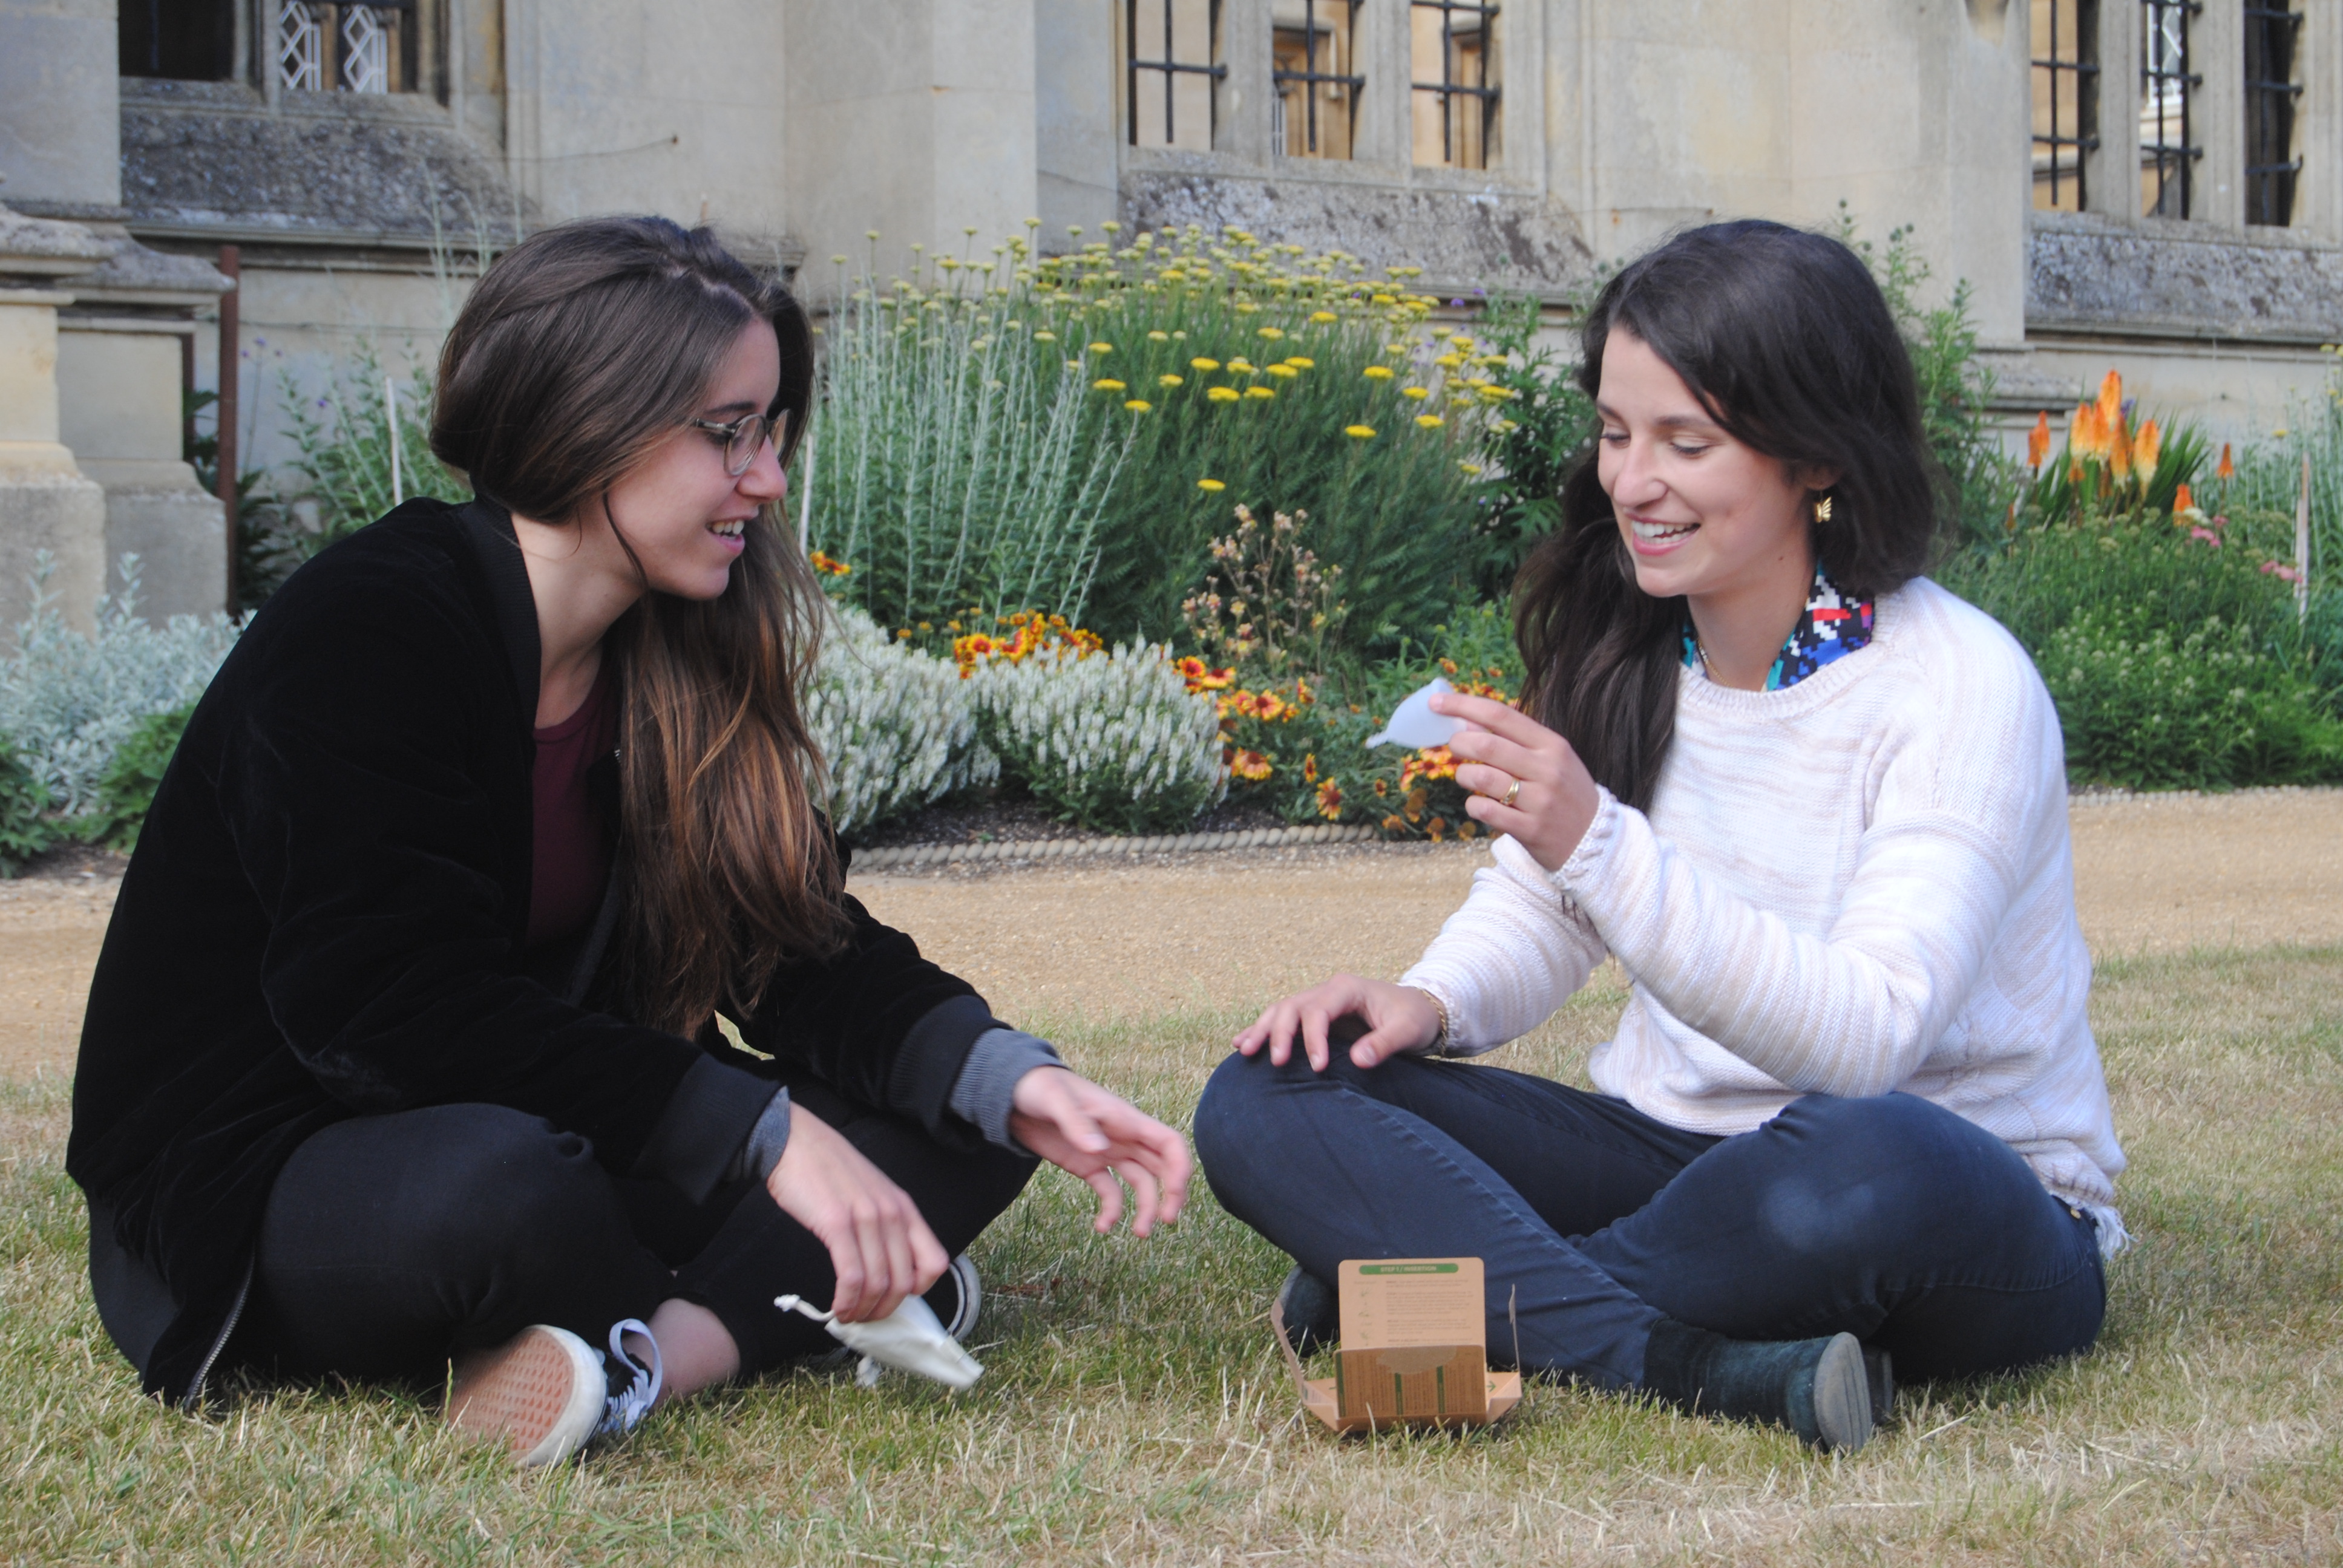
point(1097, 1136)
point(879, 1248)
point(1503, 747)
point(1398, 1018)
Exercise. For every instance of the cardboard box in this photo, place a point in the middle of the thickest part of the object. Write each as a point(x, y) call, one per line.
point(1414, 1348)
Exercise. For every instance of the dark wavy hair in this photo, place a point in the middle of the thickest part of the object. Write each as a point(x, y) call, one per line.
point(1784, 338)
point(580, 351)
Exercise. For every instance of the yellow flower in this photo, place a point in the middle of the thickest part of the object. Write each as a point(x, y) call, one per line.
point(1470, 468)
point(1101, 347)
point(1418, 393)
point(1284, 372)
point(1430, 421)
point(1159, 338)
point(1210, 486)
point(1241, 366)
point(1139, 405)
point(1495, 394)
point(1272, 333)
point(1203, 364)
point(1246, 307)
point(1384, 299)
point(1223, 394)
point(1359, 432)
point(1167, 381)
point(1299, 363)
point(1323, 316)
point(1395, 349)
point(1106, 384)
point(1260, 392)
point(1449, 361)
point(1379, 372)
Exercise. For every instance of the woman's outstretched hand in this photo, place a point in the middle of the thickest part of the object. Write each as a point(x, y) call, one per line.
point(1397, 1018)
point(1099, 1136)
point(879, 1248)
point(1503, 747)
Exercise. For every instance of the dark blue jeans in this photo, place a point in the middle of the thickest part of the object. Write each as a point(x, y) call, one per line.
point(1889, 1218)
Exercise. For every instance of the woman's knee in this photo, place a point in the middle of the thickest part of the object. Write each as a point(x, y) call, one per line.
point(1248, 1100)
point(456, 1184)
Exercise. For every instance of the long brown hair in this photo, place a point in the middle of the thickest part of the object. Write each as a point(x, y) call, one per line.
point(1786, 339)
point(581, 350)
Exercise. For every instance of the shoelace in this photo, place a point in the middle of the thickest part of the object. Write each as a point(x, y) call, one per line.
point(631, 1404)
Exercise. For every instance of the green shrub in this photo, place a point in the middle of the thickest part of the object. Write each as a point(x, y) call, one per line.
point(1041, 434)
point(126, 789)
point(1115, 742)
point(2148, 706)
point(25, 828)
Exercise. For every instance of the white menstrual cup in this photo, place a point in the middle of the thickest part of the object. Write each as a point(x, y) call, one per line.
point(1416, 725)
point(911, 1340)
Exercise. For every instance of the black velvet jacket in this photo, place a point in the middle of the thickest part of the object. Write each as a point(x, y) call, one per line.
point(324, 920)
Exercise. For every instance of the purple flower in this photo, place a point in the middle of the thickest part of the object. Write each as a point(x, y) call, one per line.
point(1457, 303)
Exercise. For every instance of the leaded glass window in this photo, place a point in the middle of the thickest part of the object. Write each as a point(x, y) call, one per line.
point(347, 48)
point(1313, 67)
point(2273, 39)
point(1174, 71)
point(2066, 89)
point(2167, 91)
point(1454, 54)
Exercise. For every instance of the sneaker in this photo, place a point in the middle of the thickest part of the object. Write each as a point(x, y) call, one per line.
point(545, 1393)
point(1879, 1371)
point(963, 1292)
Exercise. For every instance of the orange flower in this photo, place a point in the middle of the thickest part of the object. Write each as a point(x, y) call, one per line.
point(2037, 441)
point(827, 565)
point(1330, 801)
point(2226, 470)
point(1310, 769)
point(2145, 448)
point(1433, 762)
point(1465, 829)
point(2183, 501)
point(2120, 453)
point(1436, 826)
point(1382, 788)
point(1393, 825)
point(2088, 435)
point(1251, 764)
point(2111, 403)
point(1269, 707)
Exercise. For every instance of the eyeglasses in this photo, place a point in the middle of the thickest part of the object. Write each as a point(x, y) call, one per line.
point(745, 437)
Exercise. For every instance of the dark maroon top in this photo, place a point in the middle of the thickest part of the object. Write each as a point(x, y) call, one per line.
point(571, 844)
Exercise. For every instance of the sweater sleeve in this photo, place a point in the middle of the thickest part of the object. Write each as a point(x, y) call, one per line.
point(1515, 951)
point(1854, 1009)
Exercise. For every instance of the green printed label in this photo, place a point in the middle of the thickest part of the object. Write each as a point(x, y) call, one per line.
point(1407, 1267)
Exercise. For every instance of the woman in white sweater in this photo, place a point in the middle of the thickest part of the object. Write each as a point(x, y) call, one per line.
point(1815, 806)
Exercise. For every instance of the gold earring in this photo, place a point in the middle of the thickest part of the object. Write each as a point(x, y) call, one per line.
point(1822, 508)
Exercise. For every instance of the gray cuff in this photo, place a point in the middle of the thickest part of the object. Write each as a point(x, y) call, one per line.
point(985, 1091)
point(765, 1141)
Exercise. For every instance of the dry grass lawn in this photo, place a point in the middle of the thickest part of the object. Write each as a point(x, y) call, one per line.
point(1134, 1411)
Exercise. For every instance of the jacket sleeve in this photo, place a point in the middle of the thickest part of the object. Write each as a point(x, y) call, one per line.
point(880, 1024)
point(353, 785)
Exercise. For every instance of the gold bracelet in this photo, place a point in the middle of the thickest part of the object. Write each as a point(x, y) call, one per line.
point(1439, 1040)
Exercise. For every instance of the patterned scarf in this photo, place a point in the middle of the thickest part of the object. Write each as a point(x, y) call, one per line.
point(1833, 627)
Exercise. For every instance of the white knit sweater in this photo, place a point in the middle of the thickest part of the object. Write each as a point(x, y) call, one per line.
point(1860, 884)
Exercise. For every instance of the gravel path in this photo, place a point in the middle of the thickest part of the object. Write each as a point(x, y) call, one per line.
point(1217, 932)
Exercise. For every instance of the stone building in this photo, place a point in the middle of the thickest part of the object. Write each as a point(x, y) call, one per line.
point(2151, 184)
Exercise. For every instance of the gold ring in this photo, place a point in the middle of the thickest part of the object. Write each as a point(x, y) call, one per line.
point(1516, 790)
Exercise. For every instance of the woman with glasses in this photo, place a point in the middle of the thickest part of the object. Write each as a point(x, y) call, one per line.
point(408, 1040)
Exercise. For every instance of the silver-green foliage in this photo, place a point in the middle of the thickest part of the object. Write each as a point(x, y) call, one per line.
point(896, 726)
point(951, 465)
point(68, 701)
point(1113, 741)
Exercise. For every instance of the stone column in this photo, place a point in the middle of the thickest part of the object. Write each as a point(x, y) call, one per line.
point(47, 503)
point(118, 383)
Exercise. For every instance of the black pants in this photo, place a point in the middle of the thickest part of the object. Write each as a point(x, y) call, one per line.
point(1889, 1218)
point(392, 1242)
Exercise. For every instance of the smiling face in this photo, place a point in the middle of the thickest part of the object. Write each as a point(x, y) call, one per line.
point(679, 512)
point(1703, 515)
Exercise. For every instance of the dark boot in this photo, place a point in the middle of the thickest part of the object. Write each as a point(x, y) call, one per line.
point(1817, 1388)
point(1314, 1316)
point(1880, 1373)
